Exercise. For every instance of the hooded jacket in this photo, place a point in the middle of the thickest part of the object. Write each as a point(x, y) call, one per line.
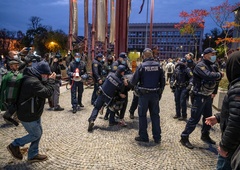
point(33, 92)
point(229, 117)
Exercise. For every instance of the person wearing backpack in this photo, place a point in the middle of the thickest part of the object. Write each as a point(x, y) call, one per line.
point(37, 85)
point(9, 92)
point(170, 68)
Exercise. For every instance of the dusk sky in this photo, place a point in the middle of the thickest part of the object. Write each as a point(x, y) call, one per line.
point(15, 14)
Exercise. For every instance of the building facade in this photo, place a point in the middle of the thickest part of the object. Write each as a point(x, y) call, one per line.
point(170, 43)
point(168, 40)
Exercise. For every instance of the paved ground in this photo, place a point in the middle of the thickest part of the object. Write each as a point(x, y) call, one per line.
point(69, 146)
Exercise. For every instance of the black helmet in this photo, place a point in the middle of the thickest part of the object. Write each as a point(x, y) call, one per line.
point(183, 60)
point(121, 68)
point(123, 55)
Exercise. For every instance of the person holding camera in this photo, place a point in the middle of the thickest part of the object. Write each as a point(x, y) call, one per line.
point(56, 67)
point(76, 69)
point(37, 85)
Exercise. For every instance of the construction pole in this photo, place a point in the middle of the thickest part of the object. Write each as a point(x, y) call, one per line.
point(146, 30)
point(106, 29)
point(70, 26)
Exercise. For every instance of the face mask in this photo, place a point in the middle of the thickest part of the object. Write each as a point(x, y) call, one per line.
point(77, 60)
point(213, 59)
point(123, 62)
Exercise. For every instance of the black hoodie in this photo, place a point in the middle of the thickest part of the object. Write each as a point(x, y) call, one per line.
point(33, 88)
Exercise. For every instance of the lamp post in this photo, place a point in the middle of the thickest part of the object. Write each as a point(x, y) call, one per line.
point(209, 40)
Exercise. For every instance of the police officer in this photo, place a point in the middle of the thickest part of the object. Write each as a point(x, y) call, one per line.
point(109, 89)
point(122, 60)
point(97, 70)
point(76, 69)
point(181, 80)
point(190, 64)
point(151, 81)
point(205, 80)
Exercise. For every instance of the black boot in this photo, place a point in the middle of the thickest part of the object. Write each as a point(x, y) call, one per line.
point(206, 138)
point(185, 142)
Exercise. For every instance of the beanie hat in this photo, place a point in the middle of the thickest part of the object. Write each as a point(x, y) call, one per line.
point(43, 67)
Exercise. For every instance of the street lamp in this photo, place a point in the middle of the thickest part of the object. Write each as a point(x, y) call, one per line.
point(209, 41)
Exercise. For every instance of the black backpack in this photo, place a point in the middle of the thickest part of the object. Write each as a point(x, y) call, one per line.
point(169, 69)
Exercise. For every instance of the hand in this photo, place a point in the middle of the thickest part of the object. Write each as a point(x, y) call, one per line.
point(55, 60)
point(189, 87)
point(222, 152)
point(53, 76)
point(222, 74)
point(125, 82)
point(211, 120)
point(100, 81)
point(122, 96)
point(213, 95)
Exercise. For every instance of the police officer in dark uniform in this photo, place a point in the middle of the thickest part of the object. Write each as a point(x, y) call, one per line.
point(97, 70)
point(76, 69)
point(190, 64)
point(181, 81)
point(108, 90)
point(151, 81)
point(122, 60)
point(205, 81)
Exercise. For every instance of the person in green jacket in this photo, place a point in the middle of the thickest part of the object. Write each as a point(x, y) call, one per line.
point(9, 91)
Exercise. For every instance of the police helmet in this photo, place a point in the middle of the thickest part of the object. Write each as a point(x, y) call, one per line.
point(183, 60)
point(99, 55)
point(121, 68)
point(123, 55)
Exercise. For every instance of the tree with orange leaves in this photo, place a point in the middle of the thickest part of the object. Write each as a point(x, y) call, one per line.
point(222, 15)
point(191, 22)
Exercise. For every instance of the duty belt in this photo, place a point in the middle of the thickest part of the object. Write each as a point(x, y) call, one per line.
point(148, 90)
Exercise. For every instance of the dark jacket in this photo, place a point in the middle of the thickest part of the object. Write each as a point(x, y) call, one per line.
point(229, 118)
point(33, 88)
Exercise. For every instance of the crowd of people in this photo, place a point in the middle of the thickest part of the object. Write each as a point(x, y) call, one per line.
point(191, 82)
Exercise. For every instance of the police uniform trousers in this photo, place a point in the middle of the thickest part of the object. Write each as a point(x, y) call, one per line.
point(149, 101)
point(180, 95)
point(134, 104)
point(101, 100)
point(202, 105)
point(94, 94)
point(77, 87)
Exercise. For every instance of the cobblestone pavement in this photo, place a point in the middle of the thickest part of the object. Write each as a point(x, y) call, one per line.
point(69, 146)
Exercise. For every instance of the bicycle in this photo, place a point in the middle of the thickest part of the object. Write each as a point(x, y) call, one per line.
point(87, 81)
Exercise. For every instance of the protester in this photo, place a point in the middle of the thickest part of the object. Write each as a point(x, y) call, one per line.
point(229, 118)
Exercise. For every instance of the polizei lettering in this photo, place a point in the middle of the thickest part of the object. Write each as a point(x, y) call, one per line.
point(114, 82)
point(152, 68)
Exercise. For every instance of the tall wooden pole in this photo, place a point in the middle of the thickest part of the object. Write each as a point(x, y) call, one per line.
point(85, 26)
point(106, 29)
point(70, 26)
point(93, 27)
point(151, 23)
point(121, 27)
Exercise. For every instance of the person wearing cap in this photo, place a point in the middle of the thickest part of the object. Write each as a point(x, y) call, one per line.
point(229, 117)
point(205, 78)
point(56, 67)
point(122, 60)
point(97, 70)
point(111, 88)
point(9, 91)
point(190, 64)
point(182, 82)
point(150, 81)
point(76, 69)
point(169, 68)
point(37, 85)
